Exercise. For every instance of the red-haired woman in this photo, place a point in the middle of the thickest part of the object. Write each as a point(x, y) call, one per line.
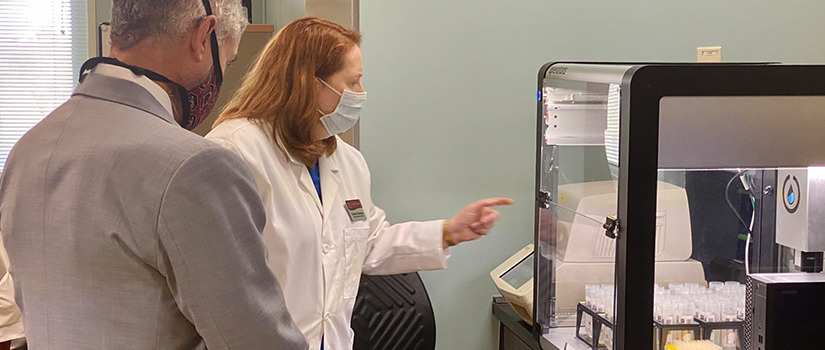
point(322, 228)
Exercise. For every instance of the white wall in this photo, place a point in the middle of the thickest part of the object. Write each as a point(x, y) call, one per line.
point(451, 109)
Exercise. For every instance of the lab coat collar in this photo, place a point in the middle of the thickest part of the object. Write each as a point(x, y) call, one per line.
point(295, 162)
point(123, 92)
point(330, 182)
point(327, 162)
point(330, 178)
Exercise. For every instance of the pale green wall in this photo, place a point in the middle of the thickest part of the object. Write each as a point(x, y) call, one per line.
point(281, 12)
point(103, 10)
point(451, 109)
point(258, 11)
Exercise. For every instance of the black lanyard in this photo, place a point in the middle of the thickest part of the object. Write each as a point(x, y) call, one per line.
point(93, 62)
point(184, 96)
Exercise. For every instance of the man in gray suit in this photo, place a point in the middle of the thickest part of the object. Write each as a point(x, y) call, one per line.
point(124, 230)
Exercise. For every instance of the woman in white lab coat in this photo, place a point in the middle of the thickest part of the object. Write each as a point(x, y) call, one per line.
point(323, 230)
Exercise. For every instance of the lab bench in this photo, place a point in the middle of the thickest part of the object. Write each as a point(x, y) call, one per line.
point(515, 334)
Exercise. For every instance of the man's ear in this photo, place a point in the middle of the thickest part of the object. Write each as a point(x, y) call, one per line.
point(202, 38)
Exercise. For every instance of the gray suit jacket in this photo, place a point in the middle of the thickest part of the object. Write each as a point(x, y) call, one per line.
point(126, 231)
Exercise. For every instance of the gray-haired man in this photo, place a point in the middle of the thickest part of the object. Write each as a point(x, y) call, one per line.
point(126, 231)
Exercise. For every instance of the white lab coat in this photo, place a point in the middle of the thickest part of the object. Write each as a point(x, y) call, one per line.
point(11, 325)
point(317, 252)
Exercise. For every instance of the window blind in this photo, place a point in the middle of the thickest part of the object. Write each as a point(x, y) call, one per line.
point(42, 45)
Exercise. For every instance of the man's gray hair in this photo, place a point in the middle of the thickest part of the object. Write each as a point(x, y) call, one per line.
point(136, 20)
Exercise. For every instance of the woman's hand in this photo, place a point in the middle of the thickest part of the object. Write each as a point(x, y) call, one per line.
point(473, 221)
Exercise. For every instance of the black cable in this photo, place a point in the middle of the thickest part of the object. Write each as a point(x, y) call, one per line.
point(727, 199)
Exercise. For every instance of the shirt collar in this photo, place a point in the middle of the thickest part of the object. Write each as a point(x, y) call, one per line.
point(122, 73)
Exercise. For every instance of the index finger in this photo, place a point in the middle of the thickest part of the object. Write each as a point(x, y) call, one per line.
point(494, 201)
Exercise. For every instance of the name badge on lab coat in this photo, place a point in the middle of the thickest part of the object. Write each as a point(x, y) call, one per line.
point(356, 210)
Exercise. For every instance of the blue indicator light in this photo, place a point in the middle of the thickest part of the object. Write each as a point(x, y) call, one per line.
point(538, 95)
point(791, 198)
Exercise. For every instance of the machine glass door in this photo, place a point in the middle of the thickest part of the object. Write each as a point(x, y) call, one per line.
point(719, 220)
point(577, 192)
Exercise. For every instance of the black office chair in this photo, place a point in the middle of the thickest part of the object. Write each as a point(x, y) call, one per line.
point(393, 313)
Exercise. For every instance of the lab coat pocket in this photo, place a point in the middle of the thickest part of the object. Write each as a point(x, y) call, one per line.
point(355, 248)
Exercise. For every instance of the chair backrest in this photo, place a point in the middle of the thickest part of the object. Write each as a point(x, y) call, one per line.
point(393, 313)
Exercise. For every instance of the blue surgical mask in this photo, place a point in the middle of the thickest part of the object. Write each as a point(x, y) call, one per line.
point(346, 114)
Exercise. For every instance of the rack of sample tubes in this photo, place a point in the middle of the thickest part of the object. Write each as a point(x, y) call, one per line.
point(682, 313)
point(693, 345)
point(596, 312)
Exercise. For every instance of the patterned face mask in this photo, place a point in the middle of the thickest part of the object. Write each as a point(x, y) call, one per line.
point(203, 96)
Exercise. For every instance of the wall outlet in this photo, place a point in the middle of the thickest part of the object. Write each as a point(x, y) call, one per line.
point(709, 54)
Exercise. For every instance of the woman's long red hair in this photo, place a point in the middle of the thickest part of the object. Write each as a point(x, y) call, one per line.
point(279, 92)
